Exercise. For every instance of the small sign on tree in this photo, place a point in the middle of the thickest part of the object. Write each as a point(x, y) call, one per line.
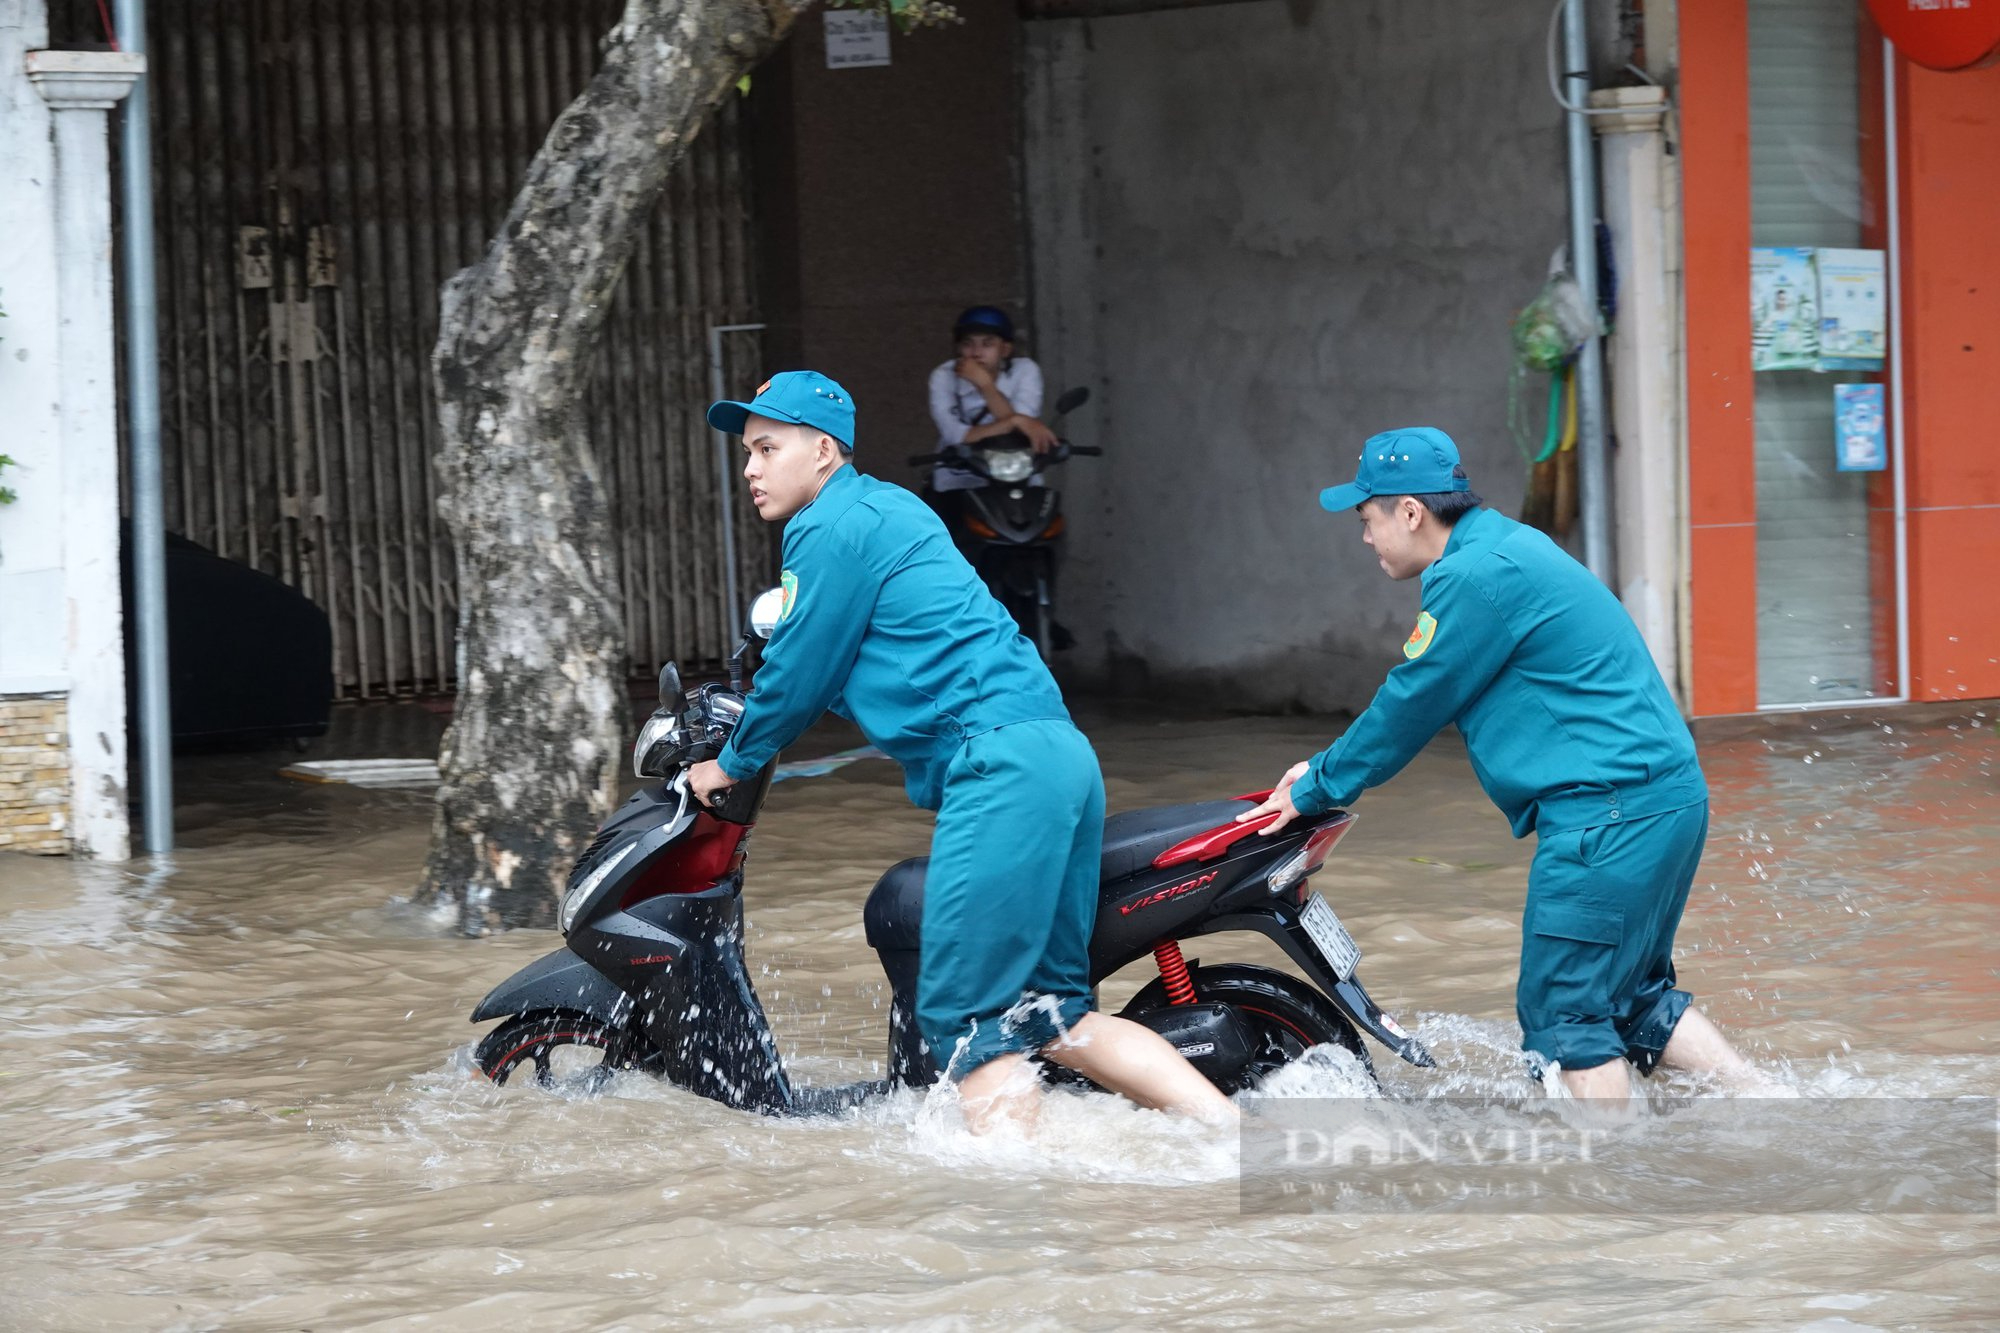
point(856, 39)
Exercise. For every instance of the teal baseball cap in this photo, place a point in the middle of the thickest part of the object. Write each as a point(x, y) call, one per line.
point(802, 397)
point(1416, 460)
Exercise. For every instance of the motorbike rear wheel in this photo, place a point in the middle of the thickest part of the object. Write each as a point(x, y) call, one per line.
point(1288, 1015)
point(563, 1050)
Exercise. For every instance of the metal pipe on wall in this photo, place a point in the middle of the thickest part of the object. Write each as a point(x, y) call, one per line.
point(1593, 472)
point(142, 416)
point(1897, 394)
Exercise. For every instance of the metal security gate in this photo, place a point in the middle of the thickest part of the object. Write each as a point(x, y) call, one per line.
point(322, 167)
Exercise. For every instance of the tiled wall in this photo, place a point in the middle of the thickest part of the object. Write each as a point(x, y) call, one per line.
point(34, 774)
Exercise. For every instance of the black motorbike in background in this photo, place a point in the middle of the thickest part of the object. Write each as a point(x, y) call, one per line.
point(652, 975)
point(1010, 529)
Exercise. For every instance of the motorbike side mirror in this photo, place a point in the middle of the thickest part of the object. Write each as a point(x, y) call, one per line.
point(671, 693)
point(764, 612)
point(1072, 399)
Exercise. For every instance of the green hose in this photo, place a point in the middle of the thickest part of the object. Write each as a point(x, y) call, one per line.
point(1552, 437)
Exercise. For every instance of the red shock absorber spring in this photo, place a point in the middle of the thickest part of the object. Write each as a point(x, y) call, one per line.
point(1174, 972)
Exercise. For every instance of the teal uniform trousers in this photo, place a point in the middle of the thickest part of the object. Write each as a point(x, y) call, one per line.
point(1012, 894)
point(886, 624)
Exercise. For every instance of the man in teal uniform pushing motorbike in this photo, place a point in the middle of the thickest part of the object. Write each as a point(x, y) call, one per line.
point(885, 622)
point(1571, 732)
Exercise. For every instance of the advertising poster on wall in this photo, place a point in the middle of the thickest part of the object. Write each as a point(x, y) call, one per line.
point(1853, 308)
point(1861, 439)
point(1784, 309)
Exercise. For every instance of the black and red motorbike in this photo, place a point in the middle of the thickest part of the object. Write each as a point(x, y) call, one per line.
point(652, 976)
point(1010, 525)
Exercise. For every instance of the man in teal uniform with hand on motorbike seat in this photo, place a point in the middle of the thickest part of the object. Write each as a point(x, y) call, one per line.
point(884, 621)
point(1571, 732)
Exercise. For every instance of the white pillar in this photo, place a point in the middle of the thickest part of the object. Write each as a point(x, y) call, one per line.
point(80, 87)
point(1647, 503)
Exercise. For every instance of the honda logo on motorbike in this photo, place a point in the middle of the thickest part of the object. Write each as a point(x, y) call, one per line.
point(1175, 891)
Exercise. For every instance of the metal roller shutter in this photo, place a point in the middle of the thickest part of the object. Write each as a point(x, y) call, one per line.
point(1814, 614)
point(322, 167)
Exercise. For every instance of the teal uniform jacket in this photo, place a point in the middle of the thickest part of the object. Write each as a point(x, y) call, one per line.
point(1566, 719)
point(886, 623)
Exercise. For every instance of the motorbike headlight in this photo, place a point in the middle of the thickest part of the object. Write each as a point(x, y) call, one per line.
point(656, 728)
point(1010, 465)
point(574, 900)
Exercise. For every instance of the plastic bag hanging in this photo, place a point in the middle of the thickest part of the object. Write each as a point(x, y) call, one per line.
point(1554, 326)
point(1547, 335)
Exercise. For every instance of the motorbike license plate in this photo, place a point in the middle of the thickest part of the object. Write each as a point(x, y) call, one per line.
point(1335, 944)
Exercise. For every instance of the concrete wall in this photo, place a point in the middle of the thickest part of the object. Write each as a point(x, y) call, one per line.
point(34, 662)
point(32, 656)
point(62, 683)
point(1263, 232)
point(888, 201)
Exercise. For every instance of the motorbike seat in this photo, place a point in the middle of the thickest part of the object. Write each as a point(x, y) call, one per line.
point(1133, 839)
point(894, 914)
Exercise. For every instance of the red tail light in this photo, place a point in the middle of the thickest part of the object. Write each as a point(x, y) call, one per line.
point(1301, 864)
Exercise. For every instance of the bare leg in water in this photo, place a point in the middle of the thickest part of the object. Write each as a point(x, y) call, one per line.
point(1696, 1045)
point(1112, 1052)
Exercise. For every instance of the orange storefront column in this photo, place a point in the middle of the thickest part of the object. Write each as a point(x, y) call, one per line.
point(1722, 476)
point(1949, 139)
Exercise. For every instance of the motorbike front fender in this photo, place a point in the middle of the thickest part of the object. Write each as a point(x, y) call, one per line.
point(559, 980)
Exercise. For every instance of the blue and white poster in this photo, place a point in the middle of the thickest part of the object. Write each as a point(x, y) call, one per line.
point(1853, 309)
point(1784, 309)
point(1861, 437)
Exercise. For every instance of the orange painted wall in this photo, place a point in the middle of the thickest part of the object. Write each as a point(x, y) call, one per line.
point(1950, 214)
point(1722, 505)
point(1948, 139)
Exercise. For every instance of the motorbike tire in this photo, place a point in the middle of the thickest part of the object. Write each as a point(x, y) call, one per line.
point(1044, 643)
point(538, 1040)
point(1289, 1016)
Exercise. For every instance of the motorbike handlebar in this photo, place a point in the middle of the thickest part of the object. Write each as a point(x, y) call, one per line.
point(1057, 455)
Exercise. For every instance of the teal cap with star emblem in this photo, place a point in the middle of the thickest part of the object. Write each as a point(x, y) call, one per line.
point(802, 397)
point(1415, 460)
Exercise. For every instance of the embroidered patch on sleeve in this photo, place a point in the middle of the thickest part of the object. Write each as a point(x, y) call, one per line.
point(1420, 637)
point(790, 583)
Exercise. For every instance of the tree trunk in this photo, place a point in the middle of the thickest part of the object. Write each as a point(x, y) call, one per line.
point(530, 763)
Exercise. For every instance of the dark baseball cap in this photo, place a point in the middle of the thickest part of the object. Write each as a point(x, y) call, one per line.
point(984, 319)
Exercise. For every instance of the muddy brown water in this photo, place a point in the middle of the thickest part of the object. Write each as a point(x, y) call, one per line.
point(236, 1094)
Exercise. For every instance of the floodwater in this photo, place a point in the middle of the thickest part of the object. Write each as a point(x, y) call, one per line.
point(237, 1094)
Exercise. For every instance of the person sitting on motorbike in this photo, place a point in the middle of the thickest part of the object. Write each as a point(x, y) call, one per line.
point(883, 621)
point(984, 392)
